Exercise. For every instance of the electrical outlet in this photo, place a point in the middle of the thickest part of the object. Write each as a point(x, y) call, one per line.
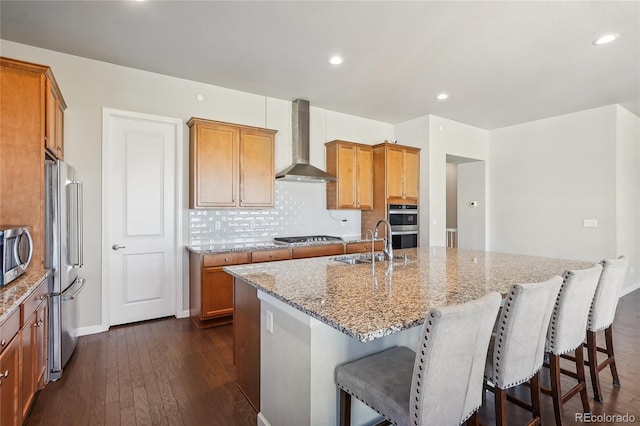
point(590, 223)
point(270, 322)
point(217, 224)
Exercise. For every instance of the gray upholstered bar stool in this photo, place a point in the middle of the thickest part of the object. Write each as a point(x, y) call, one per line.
point(516, 350)
point(441, 384)
point(567, 331)
point(601, 314)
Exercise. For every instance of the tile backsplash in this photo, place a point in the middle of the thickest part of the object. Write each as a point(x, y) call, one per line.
point(300, 209)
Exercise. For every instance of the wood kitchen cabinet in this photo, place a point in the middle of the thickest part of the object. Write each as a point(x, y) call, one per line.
point(31, 108)
point(230, 165)
point(352, 164)
point(54, 120)
point(363, 247)
point(396, 180)
point(10, 408)
point(402, 167)
point(211, 289)
point(34, 345)
point(317, 251)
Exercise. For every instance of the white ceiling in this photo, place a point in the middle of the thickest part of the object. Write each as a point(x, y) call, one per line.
point(502, 62)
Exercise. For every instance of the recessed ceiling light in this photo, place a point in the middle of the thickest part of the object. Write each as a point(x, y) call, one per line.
point(442, 96)
point(335, 60)
point(606, 38)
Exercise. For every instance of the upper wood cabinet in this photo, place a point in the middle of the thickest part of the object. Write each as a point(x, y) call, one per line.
point(230, 165)
point(54, 120)
point(27, 119)
point(400, 166)
point(352, 164)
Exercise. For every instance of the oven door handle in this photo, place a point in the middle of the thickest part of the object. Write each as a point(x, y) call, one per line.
point(415, 212)
point(404, 232)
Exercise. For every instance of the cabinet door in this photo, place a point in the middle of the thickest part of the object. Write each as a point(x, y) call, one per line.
point(365, 178)
point(257, 172)
point(29, 355)
point(411, 174)
point(347, 177)
point(217, 293)
point(59, 137)
point(41, 346)
point(395, 158)
point(10, 409)
point(214, 165)
point(50, 118)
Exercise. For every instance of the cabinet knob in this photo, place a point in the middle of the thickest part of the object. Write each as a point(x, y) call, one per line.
point(6, 374)
point(270, 256)
point(226, 259)
point(3, 343)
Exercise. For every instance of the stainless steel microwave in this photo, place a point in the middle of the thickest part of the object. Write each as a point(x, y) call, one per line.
point(16, 247)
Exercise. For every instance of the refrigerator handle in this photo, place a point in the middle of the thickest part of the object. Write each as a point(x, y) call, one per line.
point(78, 258)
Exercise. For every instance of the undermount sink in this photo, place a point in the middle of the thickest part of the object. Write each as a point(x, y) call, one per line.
point(358, 258)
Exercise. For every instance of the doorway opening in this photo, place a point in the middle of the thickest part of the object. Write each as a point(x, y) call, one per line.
point(466, 202)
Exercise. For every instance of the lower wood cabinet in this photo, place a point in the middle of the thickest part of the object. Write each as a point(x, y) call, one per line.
point(10, 408)
point(23, 356)
point(211, 289)
point(246, 341)
point(317, 251)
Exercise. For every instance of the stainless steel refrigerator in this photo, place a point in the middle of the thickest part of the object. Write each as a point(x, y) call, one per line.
point(63, 255)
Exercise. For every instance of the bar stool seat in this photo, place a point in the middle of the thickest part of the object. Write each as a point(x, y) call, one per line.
point(440, 384)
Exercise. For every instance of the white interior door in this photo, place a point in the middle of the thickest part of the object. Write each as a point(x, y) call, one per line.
point(141, 205)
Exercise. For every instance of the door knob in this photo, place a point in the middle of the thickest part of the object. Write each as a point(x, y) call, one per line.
point(117, 247)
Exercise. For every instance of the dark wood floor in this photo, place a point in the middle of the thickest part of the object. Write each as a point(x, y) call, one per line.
point(165, 372)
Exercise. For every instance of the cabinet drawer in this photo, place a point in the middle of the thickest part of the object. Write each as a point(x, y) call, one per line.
point(363, 247)
point(270, 255)
point(34, 300)
point(9, 329)
point(316, 251)
point(224, 259)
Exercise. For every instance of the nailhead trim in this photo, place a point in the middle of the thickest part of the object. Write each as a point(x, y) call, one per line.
point(554, 315)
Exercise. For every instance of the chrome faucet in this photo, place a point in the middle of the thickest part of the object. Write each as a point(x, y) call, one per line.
point(388, 247)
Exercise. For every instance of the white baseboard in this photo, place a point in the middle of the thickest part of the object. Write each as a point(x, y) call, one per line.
point(94, 329)
point(626, 290)
point(262, 421)
point(183, 314)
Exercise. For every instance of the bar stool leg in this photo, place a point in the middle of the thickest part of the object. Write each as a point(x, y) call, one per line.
point(535, 397)
point(345, 408)
point(556, 392)
point(581, 379)
point(500, 397)
point(608, 335)
point(592, 353)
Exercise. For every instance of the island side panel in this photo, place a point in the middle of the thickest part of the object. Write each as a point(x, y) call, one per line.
point(298, 362)
point(246, 340)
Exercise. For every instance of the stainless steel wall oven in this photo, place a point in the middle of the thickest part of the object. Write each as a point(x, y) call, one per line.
point(404, 225)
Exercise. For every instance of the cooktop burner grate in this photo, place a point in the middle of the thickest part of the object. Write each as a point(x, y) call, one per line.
point(306, 239)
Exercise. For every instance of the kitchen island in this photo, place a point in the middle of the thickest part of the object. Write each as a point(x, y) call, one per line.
point(318, 313)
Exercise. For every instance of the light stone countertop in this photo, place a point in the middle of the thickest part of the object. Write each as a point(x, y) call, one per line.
point(367, 303)
point(16, 292)
point(265, 245)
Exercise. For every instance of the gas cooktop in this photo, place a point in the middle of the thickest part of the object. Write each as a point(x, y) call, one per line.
point(306, 239)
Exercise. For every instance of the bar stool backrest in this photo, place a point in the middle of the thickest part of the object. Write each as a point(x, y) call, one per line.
point(518, 350)
point(448, 373)
point(605, 300)
point(568, 326)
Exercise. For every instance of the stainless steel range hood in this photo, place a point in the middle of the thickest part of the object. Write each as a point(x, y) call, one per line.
point(301, 170)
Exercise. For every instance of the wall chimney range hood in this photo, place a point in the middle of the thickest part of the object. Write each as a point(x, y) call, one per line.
point(301, 170)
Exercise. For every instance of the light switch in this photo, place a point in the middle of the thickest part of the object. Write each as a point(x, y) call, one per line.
point(590, 223)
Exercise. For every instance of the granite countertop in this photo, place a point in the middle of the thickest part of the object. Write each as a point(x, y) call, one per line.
point(368, 303)
point(14, 293)
point(266, 245)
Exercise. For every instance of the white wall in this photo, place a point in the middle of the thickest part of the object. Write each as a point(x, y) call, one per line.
point(452, 195)
point(471, 220)
point(448, 137)
point(628, 192)
point(88, 86)
point(546, 177)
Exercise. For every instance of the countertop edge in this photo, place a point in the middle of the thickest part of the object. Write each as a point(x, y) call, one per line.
point(211, 249)
point(22, 287)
